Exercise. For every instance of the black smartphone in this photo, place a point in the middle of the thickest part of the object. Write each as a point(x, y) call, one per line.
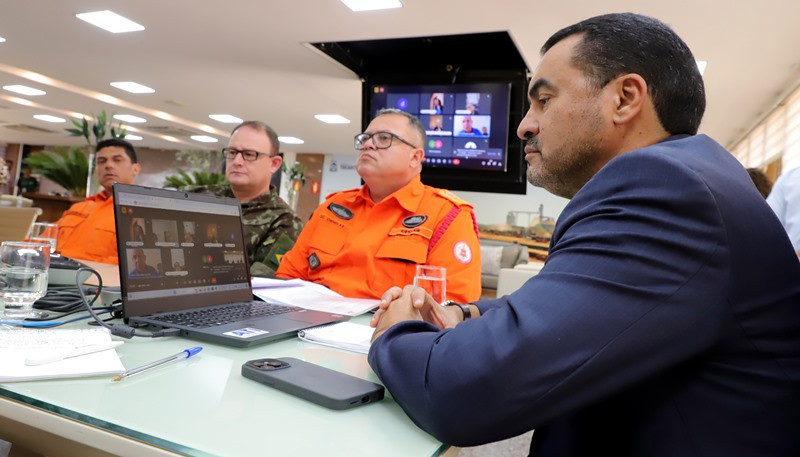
point(323, 386)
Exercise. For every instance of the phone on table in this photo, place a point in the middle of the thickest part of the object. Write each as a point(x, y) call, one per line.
point(323, 386)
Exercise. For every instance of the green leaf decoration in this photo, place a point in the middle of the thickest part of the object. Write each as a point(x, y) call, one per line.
point(67, 167)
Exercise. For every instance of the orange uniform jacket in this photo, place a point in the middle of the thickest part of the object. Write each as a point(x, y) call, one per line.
point(360, 249)
point(86, 230)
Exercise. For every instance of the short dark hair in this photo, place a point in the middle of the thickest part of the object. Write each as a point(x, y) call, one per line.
point(414, 121)
point(118, 142)
point(616, 44)
point(269, 131)
point(763, 184)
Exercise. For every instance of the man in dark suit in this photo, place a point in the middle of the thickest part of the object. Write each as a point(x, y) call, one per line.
point(666, 320)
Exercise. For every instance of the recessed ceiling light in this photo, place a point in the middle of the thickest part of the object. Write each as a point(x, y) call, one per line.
point(132, 137)
point(129, 118)
point(132, 87)
point(226, 118)
point(2, 40)
point(368, 5)
point(332, 118)
point(204, 138)
point(290, 140)
point(24, 90)
point(170, 138)
point(701, 65)
point(48, 118)
point(111, 21)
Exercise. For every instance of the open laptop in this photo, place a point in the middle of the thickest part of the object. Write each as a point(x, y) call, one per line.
point(183, 265)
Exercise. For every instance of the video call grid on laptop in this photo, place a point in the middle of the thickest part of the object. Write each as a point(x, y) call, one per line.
point(185, 253)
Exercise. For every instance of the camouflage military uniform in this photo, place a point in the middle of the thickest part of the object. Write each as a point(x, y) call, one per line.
point(270, 227)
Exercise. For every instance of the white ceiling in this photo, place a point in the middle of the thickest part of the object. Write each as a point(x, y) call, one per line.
point(248, 58)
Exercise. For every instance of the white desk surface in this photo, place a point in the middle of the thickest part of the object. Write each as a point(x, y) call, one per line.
point(203, 406)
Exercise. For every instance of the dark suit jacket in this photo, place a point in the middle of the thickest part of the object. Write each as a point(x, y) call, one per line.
point(666, 322)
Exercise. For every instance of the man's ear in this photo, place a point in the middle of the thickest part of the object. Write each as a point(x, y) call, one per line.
point(276, 163)
point(417, 157)
point(137, 168)
point(630, 97)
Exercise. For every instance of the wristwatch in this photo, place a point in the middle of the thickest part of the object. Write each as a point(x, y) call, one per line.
point(464, 308)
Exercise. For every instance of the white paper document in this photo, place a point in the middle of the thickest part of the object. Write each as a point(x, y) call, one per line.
point(342, 335)
point(17, 345)
point(309, 295)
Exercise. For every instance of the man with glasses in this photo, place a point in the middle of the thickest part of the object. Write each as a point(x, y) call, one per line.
point(270, 225)
point(86, 230)
point(362, 241)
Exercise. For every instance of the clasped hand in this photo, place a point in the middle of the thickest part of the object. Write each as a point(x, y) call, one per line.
point(411, 303)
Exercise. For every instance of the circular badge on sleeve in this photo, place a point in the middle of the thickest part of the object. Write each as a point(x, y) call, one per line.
point(462, 252)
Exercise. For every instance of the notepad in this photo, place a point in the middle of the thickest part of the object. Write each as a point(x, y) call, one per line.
point(344, 335)
point(18, 344)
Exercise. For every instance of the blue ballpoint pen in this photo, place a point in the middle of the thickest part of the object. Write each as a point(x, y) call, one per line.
point(181, 355)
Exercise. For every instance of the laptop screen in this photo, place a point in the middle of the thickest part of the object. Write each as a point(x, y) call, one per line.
point(178, 250)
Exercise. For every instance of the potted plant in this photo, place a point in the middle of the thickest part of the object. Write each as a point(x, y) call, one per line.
point(297, 179)
point(70, 167)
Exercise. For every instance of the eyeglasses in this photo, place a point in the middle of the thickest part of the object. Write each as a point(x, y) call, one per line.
point(381, 140)
point(247, 154)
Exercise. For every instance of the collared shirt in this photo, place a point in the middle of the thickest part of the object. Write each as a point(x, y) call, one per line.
point(360, 248)
point(785, 201)
point(270, 227)
point(86, 230)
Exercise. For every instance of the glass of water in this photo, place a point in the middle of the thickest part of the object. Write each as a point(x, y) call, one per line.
point(433, 279)
point(44, 232)
point(23, 277)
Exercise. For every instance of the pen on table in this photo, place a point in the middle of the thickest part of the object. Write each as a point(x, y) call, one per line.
point(75, 352)
point(185, 354)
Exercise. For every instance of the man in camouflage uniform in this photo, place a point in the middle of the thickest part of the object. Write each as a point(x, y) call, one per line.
point(270, 226)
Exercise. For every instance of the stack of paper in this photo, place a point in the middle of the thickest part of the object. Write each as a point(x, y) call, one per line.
point(309, 295)
point(19, 345)
point(343, 335)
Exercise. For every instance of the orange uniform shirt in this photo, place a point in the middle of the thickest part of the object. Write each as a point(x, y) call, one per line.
point(360, 249)
point(86, 230)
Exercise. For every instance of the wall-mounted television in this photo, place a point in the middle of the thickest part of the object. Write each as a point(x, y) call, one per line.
point(466, 124)
point(480, 79)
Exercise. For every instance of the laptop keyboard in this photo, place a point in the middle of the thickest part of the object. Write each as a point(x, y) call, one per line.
point(221, 315)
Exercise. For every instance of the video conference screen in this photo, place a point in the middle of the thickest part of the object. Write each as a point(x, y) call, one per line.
point(466, 124)
point(174, 247)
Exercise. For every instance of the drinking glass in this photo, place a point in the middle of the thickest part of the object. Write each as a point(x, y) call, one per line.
point(433, 279)
point(23, 277)
point(44, 232)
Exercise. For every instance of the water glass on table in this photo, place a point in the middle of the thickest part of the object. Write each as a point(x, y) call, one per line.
point(44, 232)
point(434, 280)
point(23, 277)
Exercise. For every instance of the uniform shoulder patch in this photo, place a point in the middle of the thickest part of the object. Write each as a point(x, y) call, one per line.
point(342, 212)
point(452, 197)
point(462, 252)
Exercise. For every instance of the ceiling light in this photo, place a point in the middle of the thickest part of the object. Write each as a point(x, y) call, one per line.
point(2, 40)
point(132, 138)
point(204, 138)
point(170, 138)
point(368, 5)
point(130, 118)
point(132, 87)
point(48, 118)
point(226, 118)
point(290, 140)
point(24, 90)
point(701, 65)
point(332, 119)
point(111, 21)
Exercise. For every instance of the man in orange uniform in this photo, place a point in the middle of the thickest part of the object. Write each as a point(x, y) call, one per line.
point(86, 230)
point(363, 241)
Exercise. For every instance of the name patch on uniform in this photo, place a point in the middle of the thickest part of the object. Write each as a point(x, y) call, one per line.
point(415, 220)
point(313, 261)
point(341, 211)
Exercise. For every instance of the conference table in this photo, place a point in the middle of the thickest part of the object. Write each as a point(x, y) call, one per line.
point(202, 406)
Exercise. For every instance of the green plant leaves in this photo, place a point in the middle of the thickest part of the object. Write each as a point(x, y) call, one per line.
point(67, 167)
point(197, 178)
